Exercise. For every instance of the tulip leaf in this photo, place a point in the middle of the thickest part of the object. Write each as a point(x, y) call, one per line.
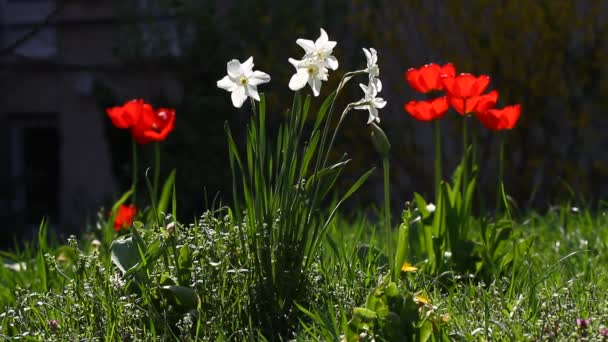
point(182, 296)
point(184, 265)
point(124, 253)
point(163, 201)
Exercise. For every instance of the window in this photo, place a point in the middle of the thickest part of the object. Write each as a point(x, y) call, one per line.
point(34, 167)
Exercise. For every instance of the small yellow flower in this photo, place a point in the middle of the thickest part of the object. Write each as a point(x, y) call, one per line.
point(421, 299)
point(407, 267)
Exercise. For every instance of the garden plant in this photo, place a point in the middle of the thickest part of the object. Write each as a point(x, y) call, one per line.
point(282, 261)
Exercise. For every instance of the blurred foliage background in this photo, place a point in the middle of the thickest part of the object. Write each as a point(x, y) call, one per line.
point(548, 55)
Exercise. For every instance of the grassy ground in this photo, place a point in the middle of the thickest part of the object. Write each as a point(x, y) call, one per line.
point(556, 289)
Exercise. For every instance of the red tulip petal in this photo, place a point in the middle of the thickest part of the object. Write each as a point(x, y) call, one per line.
point(500, 119)
point(153, 125)
point(458, 103)
point(427, 110)
point(429, 77)
point(440, 106)
point(485, 102)
point(124, 217)
point(126, 115)
point(412, 76)
point(448, 70)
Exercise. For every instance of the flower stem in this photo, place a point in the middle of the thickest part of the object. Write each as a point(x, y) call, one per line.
point(501, 161)
point(156, 169)
point(253, 109)
point(134, 170)
point(438, 159)
point(387, 215)
point(322, 150)
point(465, 159)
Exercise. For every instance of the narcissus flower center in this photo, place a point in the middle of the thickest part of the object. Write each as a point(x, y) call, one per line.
point(243, 80)
point(312, 70)
point(321, 54)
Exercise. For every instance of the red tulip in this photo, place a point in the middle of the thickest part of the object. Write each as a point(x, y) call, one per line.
point(500, 119)
point(153, 125)
point(465, 85)
point(124, 217)
point(474, 104)
point(427, 110)
point(428, 77)
point(146, 123)
point(126, 116)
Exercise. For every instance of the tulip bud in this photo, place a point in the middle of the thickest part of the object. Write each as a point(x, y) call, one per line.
point(380, 140)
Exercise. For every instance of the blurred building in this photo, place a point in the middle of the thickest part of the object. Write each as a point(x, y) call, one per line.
point(55, 157)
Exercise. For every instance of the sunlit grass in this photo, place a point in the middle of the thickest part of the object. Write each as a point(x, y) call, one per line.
point(560, 279)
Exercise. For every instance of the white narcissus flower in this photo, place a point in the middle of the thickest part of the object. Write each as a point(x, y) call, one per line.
point(320, 50)
point(372, 67)
point(371, 102)
point(242, 81)
point(372, 62)
point(308, 71)
point(312, 69)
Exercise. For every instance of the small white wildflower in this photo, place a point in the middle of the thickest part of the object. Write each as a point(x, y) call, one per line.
point(242, 81)
point(16, 266)
point(371, 102)
point(430, 207)
point(95, 244)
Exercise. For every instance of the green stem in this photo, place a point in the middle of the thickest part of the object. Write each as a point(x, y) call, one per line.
point(387, 215)
point(333, 137)
point(134, 169)
point(501, 161)
point(156, 169)
point(473, 133)
point(322, 150)
point(438, 159)
point(465, 161)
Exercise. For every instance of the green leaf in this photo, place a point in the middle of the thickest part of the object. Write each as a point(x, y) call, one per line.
point(327, 177)
point(365, 314)
point(184, 262)
point(182, 296)
point(124, 253)
point(421, 205)
point(323, 110)
point(426, 331)
point(165, 196)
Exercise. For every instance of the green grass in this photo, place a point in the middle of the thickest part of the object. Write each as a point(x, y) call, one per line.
point(560, 277)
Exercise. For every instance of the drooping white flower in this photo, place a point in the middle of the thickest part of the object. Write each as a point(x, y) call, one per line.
point(309, 71)
point(372, 67)
point(370, 102)
point(242, 81)
point(320, 51)
point(372, 62)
